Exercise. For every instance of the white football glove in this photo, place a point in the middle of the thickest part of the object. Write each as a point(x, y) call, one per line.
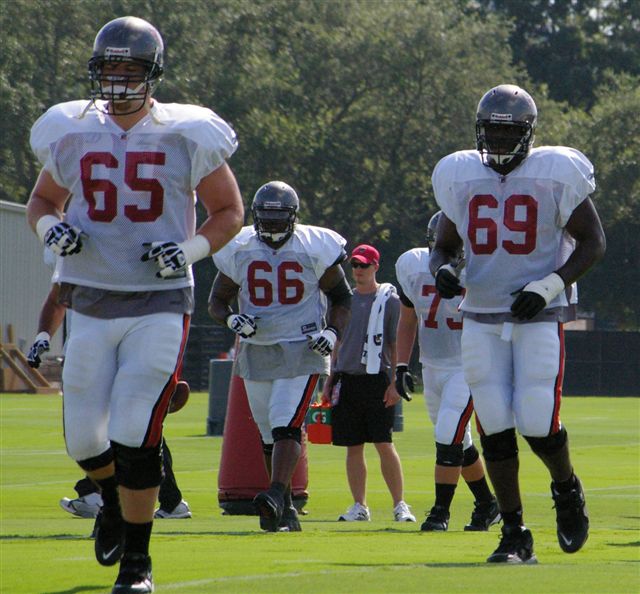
point(243, 325)
point(168, 256)
point(39, 346)
point(323, 342)
point(173, 258)
point(63, 239)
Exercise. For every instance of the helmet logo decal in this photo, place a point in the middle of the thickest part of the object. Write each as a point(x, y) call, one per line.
point(501, 117)
point(272, 204)
point(117, 52)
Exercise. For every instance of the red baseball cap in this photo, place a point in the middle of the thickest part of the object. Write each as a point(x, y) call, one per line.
point(366, 254)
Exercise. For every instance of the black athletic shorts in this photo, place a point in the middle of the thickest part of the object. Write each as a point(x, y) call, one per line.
point(360, 415)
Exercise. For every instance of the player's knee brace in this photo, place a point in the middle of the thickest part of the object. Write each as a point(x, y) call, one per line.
point(471, 454)
point(97, 462)
point(294, 433)
point(267, 448)
point(500, 446)
point(138, 468)
point(548, 445)
point(449, 455)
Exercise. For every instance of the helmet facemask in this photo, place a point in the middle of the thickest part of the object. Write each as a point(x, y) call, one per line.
point(274, 226)
point(503, 144)
point(123, 88)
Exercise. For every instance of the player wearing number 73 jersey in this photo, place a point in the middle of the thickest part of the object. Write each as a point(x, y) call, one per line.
point(128, 170)
point(438, 325)
point(282, 274)
point(510, 206)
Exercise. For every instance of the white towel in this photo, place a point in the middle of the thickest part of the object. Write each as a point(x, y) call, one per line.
point(372, 348)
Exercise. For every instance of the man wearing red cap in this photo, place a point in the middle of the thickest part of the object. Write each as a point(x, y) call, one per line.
point(360, 387)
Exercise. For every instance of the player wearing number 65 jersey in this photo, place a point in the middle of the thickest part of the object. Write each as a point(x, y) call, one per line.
point(128, 169)
point(282, 274)
point(510, 206)
point(438, 324)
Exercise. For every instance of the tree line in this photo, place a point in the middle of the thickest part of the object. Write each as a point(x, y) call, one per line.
point(353, 102)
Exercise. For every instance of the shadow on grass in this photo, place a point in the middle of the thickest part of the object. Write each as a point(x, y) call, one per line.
point(41, 537)
point(635, 543)
point(76, 590)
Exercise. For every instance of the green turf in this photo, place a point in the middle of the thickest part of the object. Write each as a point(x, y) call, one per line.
point(44, 550)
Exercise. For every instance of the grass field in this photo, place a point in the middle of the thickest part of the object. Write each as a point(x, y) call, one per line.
point(45, 551)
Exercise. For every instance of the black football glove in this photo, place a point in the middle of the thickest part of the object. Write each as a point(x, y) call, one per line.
point(535, 296)
point(404, 382)
point(447, 282)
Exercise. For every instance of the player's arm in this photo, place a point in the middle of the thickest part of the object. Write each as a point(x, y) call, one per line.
point(406, 334)
point(223, 293)
point(219, 193)
point(335, 286)
point(333, 283)
point(51, 317)
point(44, 215)
point(585, 227)
point(445, 258)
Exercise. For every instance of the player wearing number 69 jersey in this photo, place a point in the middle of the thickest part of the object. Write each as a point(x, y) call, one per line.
point(438, 325)
point(510, 206)
point(282, 274)
point(128, 170)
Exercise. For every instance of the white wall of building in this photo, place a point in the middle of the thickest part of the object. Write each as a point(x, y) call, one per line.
point(24, 278)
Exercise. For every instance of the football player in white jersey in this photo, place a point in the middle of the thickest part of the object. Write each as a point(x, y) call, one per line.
point(282, 274)
point(128, 170)
point(438, 324)
point(510, 204)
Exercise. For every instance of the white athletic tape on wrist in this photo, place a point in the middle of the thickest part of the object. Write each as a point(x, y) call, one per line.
point(43, 336)
point(548, 287)
point(44, 224)
point(195, 249)
point(449, 268)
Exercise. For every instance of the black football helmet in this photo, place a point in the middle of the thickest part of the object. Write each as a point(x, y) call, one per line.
point(431, 230)
point(505, 125)
point(275, 211)
point(126, 39)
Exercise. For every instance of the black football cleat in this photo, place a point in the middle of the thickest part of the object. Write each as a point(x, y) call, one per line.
point(135, 575)
point(484, 515)
point(108, 531)
point(572, 520)
point(437, 520)
point(270, 507)
point(516, 547)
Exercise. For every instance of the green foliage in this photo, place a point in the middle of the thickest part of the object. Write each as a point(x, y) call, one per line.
point(44, 550)
point(351, 101)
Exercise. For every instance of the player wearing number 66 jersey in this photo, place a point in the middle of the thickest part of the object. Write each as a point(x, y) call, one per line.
point(511, 205)
point(438, 325)
point(282, 274)
point(128, 170)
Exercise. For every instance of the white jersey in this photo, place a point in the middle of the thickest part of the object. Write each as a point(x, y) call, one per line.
point(439, 321)
point(128, 188)
point(281, 287)
point(512, 226)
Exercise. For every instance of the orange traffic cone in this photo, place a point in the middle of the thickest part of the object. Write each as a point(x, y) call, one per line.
point(242, 473)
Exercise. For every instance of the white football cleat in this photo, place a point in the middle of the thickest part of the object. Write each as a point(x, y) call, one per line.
point(179, 512)
point(83, 507)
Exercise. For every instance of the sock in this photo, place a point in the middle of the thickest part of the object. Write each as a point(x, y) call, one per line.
point(137, 537)
point(444, 494)
point(512, 518)
point(109, 492)
point(565, 486)
point(480, 490)
point(280, 487)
